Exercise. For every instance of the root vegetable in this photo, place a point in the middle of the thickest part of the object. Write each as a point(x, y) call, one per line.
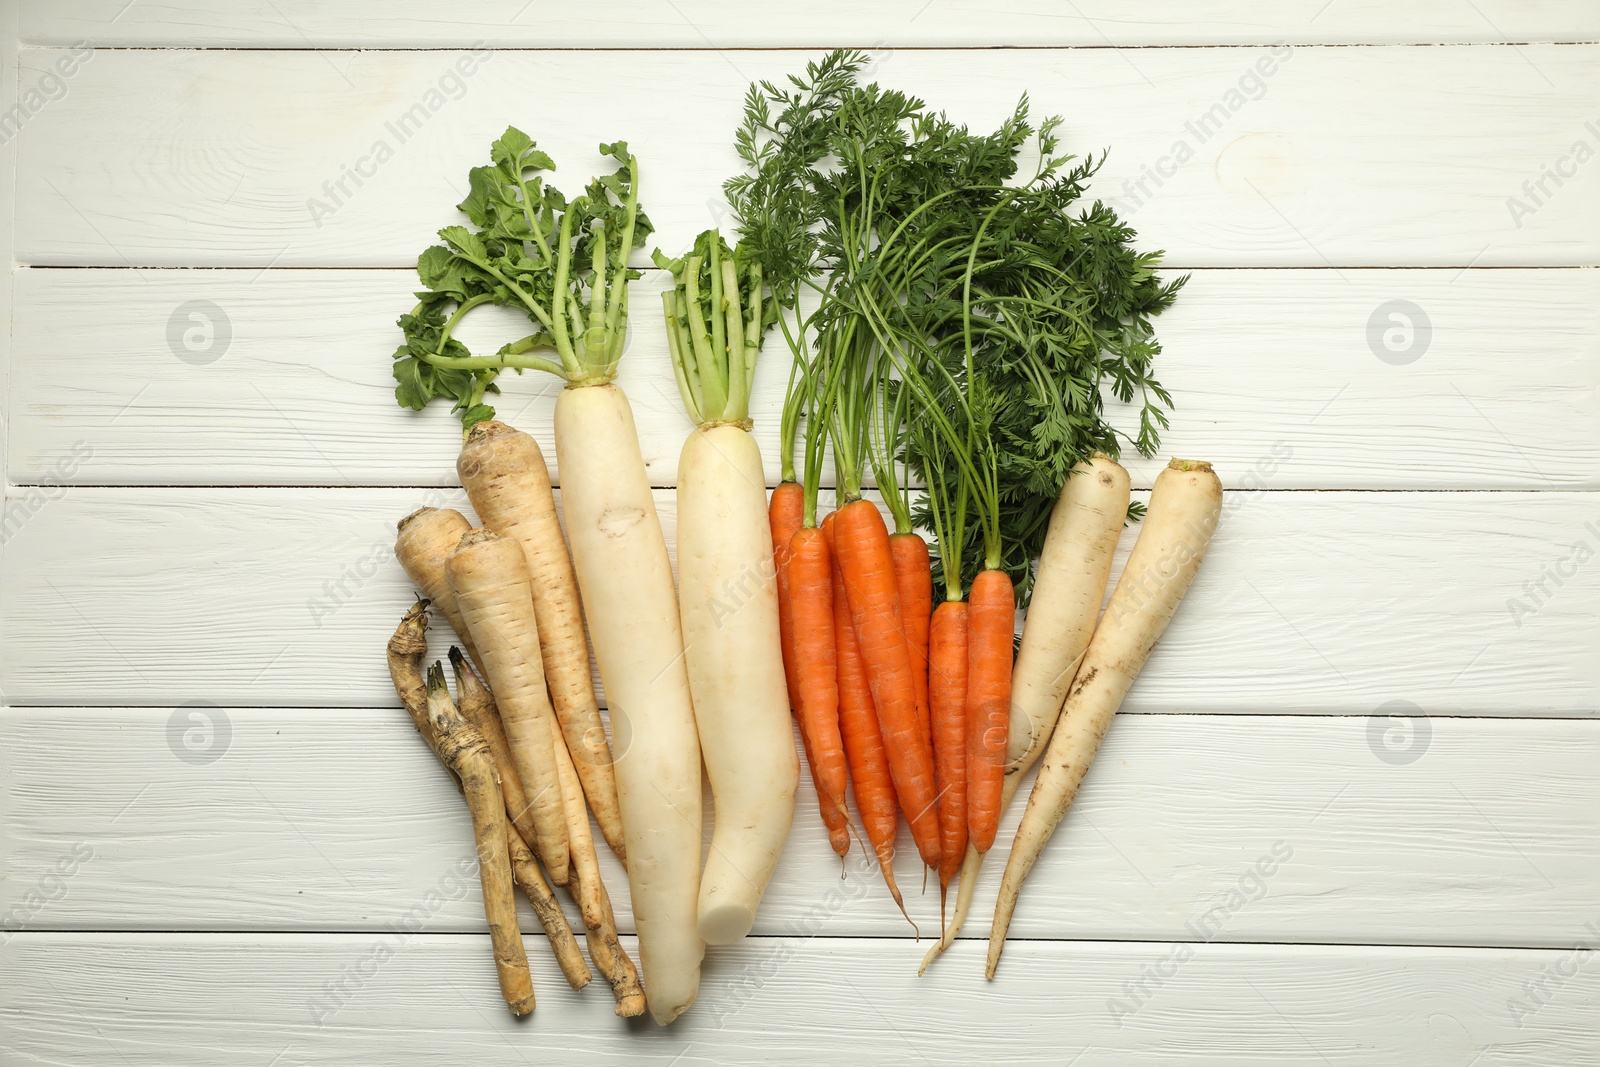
point(527, 875)
point(810, 579)
point(784, 518)
point(565, 262)
point(1184, 507)
point(913, 581)
point(868, 569)
point(489, 576)
point(623, 572)
point(405, 650)
point(727, 592)
point(863, 738)
point(991, 620)
point(728, 601)
point(599, 924)
point(465, 752)
point(947, 699)
point(1067, 593)
point(478, 708)
point(504, 474)
point(425, 541)
point(583, 882)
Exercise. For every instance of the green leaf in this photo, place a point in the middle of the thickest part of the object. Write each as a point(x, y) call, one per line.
point(410, 390)
point(511, 147)
point(465, 243)
point(485, 193)
point(475, 414)
point(509, 257)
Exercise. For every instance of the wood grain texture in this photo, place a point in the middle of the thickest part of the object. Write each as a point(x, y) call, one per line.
point(1308, 603)
point(182, 999)
point(1277, 375)
point(829, 23)
point(1191, 828)
point(1342, 156)
point(307, 898)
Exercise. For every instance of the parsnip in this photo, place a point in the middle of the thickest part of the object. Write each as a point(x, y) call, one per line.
point(478, 708)
point(425, 541)
point(1067, 593)
point(504, 474)
point(1184, 507)
point(489, 576)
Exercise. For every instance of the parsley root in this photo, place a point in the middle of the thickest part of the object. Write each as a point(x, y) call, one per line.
point(1182, 515)
point(504, 474)
point(489, 576)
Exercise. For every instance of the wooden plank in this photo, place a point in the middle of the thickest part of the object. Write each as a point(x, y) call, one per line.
point(828, 23)
point(1284, 379)
point(221, 179)
point(1191, 828)
point(173, 1000)
point(1312, 603)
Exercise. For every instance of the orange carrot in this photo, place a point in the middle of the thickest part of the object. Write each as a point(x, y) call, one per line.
point(784, 514)
point(816, 680)
point(991, 620)
point(913, 580)
point(863, 741)
point(947, 696)
point(868, 569)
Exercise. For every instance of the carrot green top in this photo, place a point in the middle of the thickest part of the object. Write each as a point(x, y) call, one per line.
point(563, 264)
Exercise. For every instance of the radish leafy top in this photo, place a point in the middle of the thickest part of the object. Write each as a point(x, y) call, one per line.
point(717, 314)
point(562, 263)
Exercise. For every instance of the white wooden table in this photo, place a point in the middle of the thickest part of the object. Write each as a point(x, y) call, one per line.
point(220, 842)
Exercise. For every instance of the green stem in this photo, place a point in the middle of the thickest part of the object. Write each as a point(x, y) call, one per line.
point(563, 334)
point(461, 309)
point(496, 362)
point(617, 309)
point(680, 370)
point(533, 221)
point(738, 405)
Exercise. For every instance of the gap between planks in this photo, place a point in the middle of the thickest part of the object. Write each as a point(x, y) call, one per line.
point(537, 932)
point(872, 46)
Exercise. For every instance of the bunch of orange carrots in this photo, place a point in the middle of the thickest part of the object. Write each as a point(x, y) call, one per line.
point(909, 705)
